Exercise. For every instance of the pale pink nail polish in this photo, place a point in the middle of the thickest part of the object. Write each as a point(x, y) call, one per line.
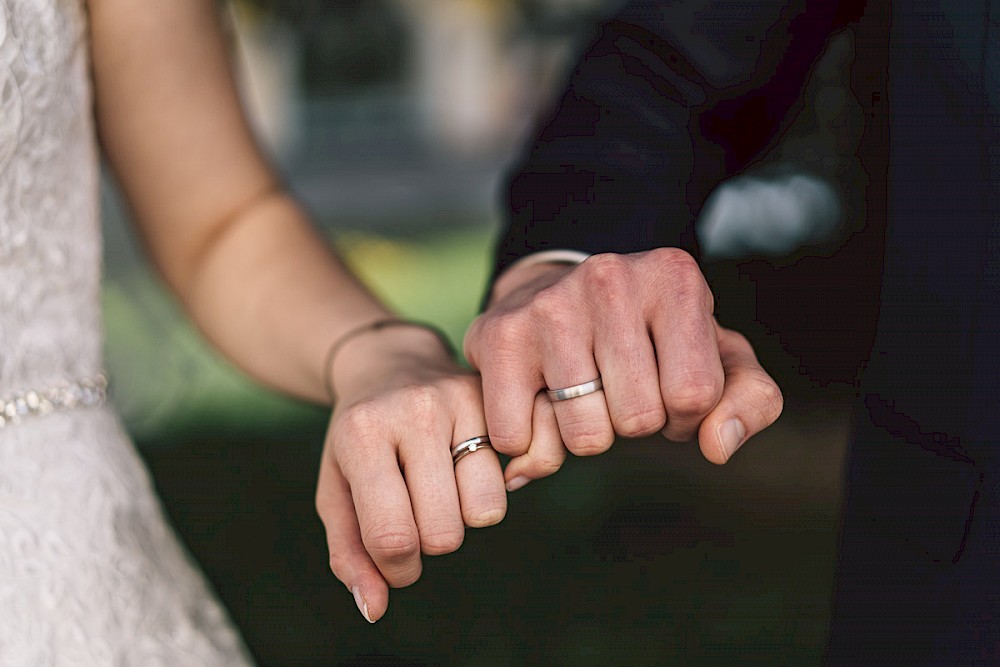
point(359, 600)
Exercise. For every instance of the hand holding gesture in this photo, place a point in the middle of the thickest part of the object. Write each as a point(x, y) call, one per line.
point(643, 325)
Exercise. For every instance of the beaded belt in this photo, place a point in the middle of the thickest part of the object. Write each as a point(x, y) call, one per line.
point(83, 393)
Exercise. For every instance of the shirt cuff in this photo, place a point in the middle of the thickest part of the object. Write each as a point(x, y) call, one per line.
point(560, 256)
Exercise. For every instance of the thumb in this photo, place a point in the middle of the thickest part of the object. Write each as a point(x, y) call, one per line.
point(751, 400)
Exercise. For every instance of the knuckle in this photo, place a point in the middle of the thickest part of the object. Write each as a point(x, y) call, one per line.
point(441, 538)
point(692, 402)
point(422, 400)
point(392, 542)
point(424, 407)
point(674, 258)
point(504, 330)
point(552, 305)
point(695, 397)
point(354, 441)
point(607, 275)
point(641, 421)
point(508, 341)
point(681, 272)
point(589, 446)
point(360, 418)
point(588, 439)
point(508, 439)
point(556, 315)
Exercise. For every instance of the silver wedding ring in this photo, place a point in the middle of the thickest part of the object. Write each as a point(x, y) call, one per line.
point(466, 447)
point(575, 391)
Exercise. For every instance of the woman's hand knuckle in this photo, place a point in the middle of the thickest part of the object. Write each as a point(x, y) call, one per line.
point(392, 542)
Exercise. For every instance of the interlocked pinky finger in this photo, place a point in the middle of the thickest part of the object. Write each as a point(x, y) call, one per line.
point(546, 453)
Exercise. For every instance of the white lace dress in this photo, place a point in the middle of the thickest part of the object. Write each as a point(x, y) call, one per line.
point(90, 572)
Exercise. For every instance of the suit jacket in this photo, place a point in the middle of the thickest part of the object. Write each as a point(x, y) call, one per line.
point(673, 97)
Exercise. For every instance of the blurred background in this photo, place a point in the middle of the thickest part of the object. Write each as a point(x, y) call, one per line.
point(394, 120)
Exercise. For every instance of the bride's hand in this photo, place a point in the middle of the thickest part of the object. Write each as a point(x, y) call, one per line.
point(388, 489)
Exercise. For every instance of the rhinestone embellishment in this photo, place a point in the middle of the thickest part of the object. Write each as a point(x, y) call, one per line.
point(84, 393)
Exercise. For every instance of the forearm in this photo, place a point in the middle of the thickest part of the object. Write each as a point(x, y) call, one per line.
point(237, 250)
point(272, 296)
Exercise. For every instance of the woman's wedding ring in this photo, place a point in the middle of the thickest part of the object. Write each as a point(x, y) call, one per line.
point(466, 447)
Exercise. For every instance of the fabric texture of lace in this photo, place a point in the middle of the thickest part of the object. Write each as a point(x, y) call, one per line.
point(90, 571)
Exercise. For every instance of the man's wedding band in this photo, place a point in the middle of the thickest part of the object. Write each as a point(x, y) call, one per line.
point(575, 391)
point(466, 447)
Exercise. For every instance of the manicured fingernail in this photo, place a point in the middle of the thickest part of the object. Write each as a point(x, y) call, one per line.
point(517, 483)
point(731, 434)
point(359, 600)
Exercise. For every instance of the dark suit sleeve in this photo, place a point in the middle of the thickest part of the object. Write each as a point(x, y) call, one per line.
point(670, 99)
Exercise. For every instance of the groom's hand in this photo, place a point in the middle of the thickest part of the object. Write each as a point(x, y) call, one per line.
point(644, 324)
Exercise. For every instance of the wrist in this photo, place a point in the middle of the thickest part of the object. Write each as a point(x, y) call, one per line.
point(534, 268)
point(385, 346)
